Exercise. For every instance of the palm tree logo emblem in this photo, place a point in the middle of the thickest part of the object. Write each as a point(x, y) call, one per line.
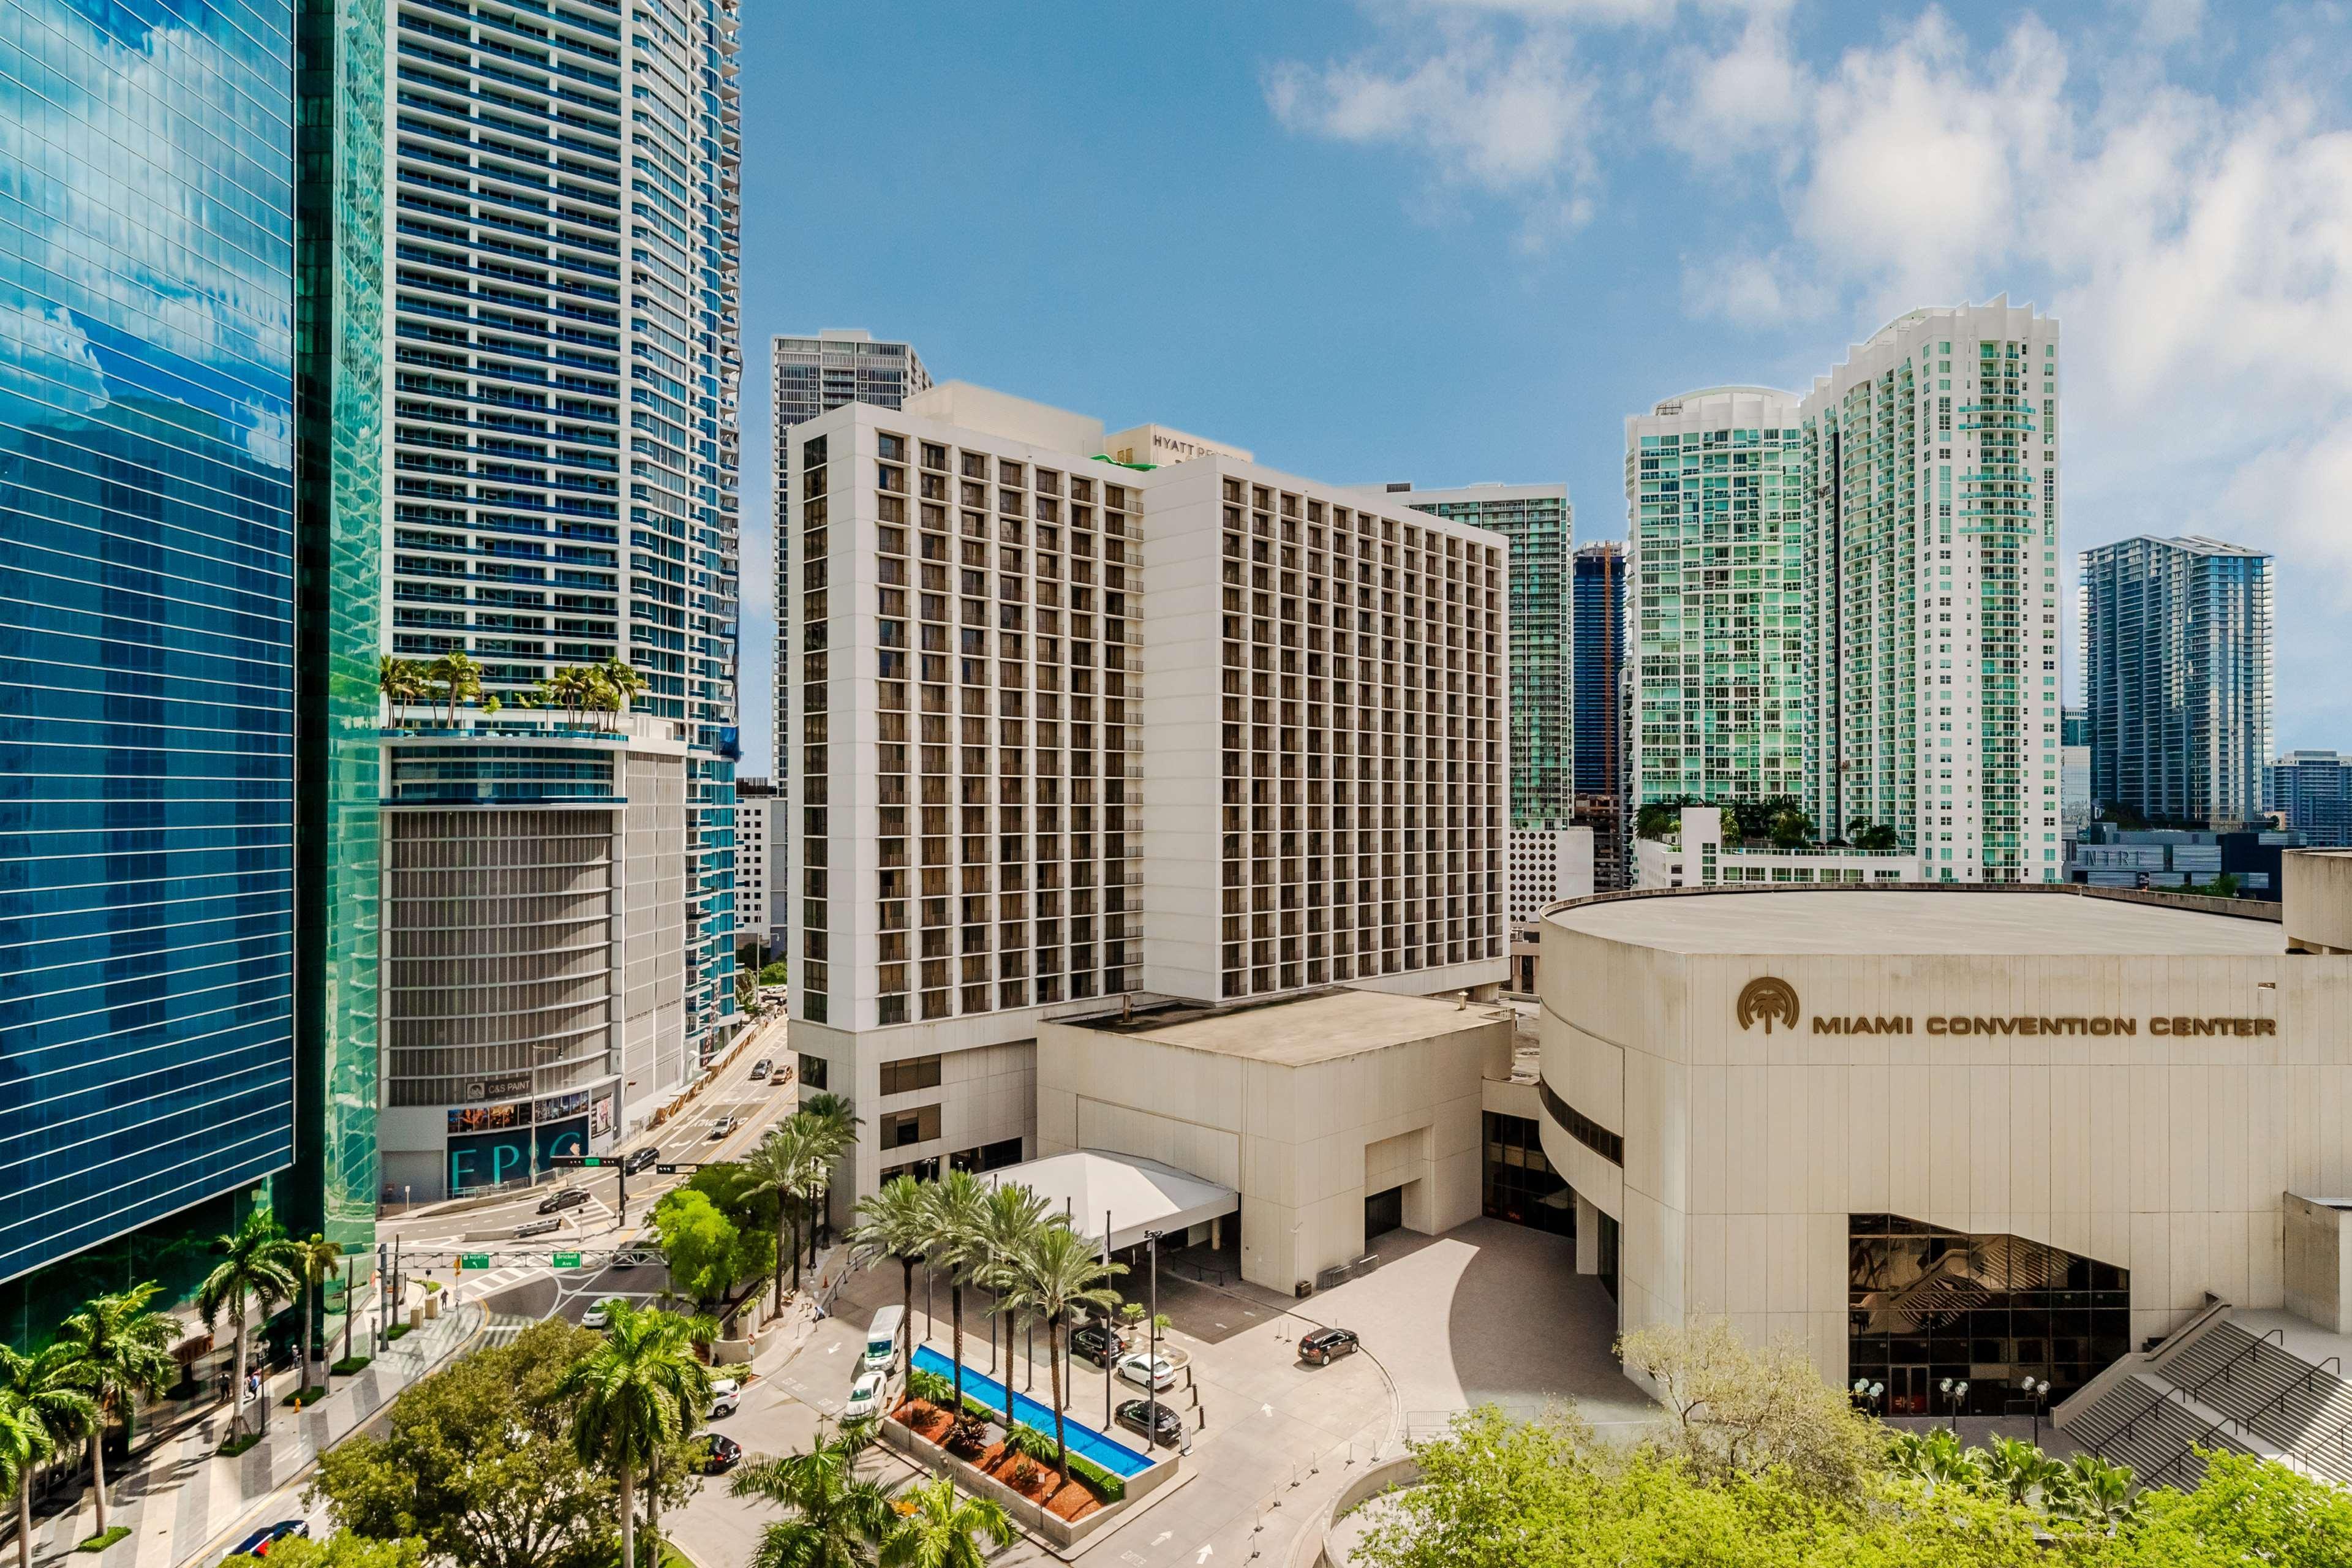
point(1768, 999)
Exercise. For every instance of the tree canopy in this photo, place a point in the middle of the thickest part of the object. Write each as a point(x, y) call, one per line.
point(478, 1463)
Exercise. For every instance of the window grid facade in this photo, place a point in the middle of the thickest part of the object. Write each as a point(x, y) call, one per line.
point(1546, 697)
point(1931, 608)
point(567, 346)
point(2177, 678)
point(1364, 781)
point(1716, 703)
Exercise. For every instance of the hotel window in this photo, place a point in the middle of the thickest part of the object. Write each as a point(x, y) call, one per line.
point(905, 1077)
point(902, 1128)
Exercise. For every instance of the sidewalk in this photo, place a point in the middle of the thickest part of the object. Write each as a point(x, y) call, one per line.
point(186, 1504)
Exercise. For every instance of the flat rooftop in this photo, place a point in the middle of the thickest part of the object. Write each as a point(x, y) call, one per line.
point(1297, 1031)
point(1865, 921)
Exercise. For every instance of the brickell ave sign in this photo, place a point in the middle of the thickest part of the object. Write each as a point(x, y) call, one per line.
point(1767, 1000)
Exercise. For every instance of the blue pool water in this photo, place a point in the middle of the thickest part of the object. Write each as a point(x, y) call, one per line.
point(1117, 1458)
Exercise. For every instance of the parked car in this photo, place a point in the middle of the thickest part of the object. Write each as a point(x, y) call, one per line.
point(1324, 1346)
point(1147, 1370)
point(866, 1396)
point(761, 1068)
point(722, 1455)
point(720, 1128)
point(1156, 1421)
point(726, 1397)
point(567, 1198)
point(638, 1160)
point(597, 1316)
point(258, 1544)
point(1097, 1342)
point(537, 1228)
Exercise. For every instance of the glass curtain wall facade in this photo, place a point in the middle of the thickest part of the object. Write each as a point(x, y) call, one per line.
point(339, 524)
point(567, 347)
point(1599, 664)
point(2313, 790)
point(1542, 527)
point(1925, 1304)
point(1715, 554)
point(2177, 678)
point(147, 604)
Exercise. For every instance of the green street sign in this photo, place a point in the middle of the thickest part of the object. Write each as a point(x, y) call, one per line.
point(473, 1260)
point(566, 1260)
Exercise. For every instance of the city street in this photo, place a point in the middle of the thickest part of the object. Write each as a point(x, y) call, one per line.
point(521, 1279)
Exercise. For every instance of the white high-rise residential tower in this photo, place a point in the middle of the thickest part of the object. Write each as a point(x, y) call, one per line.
point(1008, 644)
point(565, 341)
point(1931, 592)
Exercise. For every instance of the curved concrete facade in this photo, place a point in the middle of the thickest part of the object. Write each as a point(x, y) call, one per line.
point(2136, 1084)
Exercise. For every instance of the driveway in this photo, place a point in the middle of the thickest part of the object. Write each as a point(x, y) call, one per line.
point(1489, 1312)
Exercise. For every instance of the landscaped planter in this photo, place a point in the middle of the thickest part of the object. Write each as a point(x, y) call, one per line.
point(1024, 1510)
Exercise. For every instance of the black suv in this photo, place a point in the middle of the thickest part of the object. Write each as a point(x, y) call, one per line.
point(568, 1198)
point(1099, 1342)
point(1139, 1415)
point(1324, 1346)
point(638, 1161)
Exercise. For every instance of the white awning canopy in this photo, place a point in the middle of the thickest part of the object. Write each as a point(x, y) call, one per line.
point(1123, 1193)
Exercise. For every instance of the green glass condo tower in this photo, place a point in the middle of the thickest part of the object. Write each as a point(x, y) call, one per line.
point(1713, 549)
point(1541, 526)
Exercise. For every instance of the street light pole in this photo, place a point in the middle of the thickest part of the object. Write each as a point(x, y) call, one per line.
point(1957, 1393)
point(2038, 1392)
point(1151, 1363)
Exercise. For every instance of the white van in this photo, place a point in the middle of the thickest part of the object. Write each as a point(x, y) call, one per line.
point(882, 1339)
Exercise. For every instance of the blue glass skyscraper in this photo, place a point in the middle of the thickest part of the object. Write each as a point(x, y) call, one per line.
point(1599, 662)
point(148, 617)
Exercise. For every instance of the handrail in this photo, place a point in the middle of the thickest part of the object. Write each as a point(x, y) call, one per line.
point(2278, 1334)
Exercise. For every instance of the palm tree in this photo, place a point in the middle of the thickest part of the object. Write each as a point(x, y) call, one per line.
point(841, 1121)
point(400, 679)
point(837, 1521)
point(121, 1354)
point(621, 681)
point(2023, 1471)
point(957, 1210)
point(315, 1262)
point(941, 1531)
point(1057, 1272)
point(784, 1162)
point(639, 1391)
point(259, 1269)
point(43, 1404)
point(894, 1226)
point(2096, 1492)
point(459, 677)
point(1010, 1220)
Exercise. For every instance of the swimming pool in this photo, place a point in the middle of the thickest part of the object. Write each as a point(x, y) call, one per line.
point(1117, 1458)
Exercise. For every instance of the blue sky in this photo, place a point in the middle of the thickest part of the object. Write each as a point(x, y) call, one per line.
point(1452, 240)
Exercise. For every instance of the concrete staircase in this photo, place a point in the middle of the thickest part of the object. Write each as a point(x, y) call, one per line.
point(2214, 1385)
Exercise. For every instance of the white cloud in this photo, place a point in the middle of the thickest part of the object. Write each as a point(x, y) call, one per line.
point(1500, 119)
point(2196, 242)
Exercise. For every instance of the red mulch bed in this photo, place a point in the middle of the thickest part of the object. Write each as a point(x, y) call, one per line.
point(1038, 1481)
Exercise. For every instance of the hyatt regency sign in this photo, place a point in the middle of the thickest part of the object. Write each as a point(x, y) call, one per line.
point(1767, 1001)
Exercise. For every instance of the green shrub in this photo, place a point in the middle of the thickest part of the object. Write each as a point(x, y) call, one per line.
point(100, 1542)
point(1108, 1486)
point(1026, 1439)
point(931, 1387)
point(349, 1364)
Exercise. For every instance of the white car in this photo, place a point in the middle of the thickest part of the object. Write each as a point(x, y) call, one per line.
point(1145, 1371)
point(597, 1316)
point(866, 1396)
point(726, 1397)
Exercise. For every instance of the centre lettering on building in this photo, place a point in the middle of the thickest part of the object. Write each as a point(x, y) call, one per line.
point(1767, 1001)
point(2176, 1025)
